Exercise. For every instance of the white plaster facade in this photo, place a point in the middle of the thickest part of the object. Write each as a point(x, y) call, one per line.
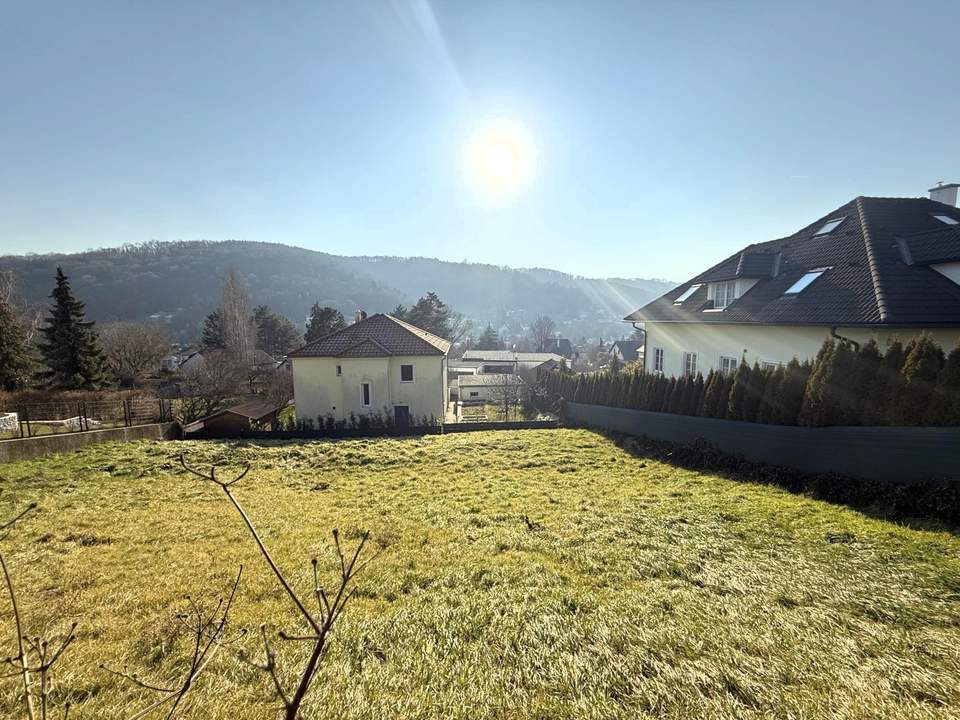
point(759, 343)
point(321, 390)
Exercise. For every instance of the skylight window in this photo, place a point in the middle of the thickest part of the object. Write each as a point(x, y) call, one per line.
point(803, 283)
point(686, 294)
point(830, 226)
point(947, 220)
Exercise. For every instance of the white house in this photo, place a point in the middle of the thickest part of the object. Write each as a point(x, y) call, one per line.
point(499, 362)
point(490, 389)
point(875, 268)
point(377, 365)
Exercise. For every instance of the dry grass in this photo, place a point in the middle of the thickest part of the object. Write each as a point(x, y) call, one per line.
point(636, 589)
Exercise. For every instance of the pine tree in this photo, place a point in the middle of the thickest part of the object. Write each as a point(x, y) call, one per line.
point(276, 335)
point(323, 321)
point(920, 371)
point(488, 340)
point(14, 350)
point(430, 313)
point(945, 408)
point(70, 350)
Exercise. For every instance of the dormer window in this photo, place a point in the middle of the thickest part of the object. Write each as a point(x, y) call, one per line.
point(947, 220)
point(803, 283)
point(724, 293)
point(686, 294)
point(829, 226)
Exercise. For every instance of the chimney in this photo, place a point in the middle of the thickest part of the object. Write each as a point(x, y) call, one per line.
point(947, 194)
point(361, 315)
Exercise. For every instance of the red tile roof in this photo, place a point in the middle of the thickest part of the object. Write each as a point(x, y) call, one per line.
point(379, 335)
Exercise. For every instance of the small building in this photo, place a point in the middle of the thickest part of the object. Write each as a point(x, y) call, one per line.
point(559, 346)
point(489, 389)
point(500, 362)
point(236, 420)
point(378, 365)
point(627, 350)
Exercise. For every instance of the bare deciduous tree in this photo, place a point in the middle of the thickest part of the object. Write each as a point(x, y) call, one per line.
point(239, 331)
point(133, 349)
point(206, 387)
point(541, 330)
point(319, 622)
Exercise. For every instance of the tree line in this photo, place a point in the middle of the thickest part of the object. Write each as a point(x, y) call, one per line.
point(908, 385)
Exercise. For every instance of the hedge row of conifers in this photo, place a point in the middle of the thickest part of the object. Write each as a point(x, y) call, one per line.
point(914, 384)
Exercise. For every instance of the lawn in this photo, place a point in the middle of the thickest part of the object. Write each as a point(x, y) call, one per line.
point(636, 589)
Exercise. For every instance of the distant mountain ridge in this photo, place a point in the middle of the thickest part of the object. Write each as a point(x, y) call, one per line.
point(180, 282)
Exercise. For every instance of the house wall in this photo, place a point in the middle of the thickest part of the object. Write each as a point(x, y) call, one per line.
point(319, 391)
point(760, 343)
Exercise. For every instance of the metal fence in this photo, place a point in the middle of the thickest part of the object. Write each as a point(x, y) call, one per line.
point(55, 417)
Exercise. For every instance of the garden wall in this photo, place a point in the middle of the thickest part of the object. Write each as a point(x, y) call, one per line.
point(890, 454)
point(34, 447)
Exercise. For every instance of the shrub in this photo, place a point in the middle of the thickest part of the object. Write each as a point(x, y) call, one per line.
point(920, 371)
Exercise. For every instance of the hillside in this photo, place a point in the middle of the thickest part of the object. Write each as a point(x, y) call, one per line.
point(183, 280)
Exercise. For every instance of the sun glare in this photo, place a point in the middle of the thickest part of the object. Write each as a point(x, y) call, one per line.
point(499, 160)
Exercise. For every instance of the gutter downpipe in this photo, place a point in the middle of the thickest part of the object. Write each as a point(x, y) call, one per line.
point(644, 343)
point(841, 338)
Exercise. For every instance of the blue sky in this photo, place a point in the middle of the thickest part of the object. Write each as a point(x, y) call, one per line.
point(668, 134)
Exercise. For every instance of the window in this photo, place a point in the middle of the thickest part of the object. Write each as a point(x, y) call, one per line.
point(728, 365)
point(947, 220)
point(658, 360)
point(686, 294)
point(769, 365)
point(690, 363)
point(339, 371)
point(474, 393)
point(406, 373)
point(724, 293)
point(829, 226)
point(803, 283)
point(365, 394)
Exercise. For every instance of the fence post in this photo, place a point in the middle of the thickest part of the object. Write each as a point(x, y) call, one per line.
point(126, 413)
point(26, 416)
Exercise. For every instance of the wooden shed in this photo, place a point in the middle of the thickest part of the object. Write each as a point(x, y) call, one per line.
point(236, 420)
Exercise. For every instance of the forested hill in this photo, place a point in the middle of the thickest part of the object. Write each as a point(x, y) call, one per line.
point(184, 280)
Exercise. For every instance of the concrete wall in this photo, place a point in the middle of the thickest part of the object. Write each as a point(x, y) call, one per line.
point(876, 453)
point(29, 448)
point(318, 390)
point(759, 343)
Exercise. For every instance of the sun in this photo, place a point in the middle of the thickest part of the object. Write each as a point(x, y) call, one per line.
point(499, 160)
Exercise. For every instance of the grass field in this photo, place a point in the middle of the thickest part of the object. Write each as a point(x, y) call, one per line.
point(642, 590)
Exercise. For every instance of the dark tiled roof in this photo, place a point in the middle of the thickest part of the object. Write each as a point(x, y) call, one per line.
point(745, 265)
point(377, 336)
point(928, 248)
point(868, 283)
point(254, 409)
point(628, 349)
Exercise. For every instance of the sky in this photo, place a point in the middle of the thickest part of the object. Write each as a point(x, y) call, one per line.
point(661, 136)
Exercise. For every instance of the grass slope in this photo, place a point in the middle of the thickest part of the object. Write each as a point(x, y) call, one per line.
point(648, 591)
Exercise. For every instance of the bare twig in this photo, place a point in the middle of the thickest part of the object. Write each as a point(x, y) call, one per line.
point(21, 661)
point(328, 610)
point(208, 637)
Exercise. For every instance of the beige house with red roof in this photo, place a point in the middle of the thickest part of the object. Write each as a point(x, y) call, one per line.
point(377, 365)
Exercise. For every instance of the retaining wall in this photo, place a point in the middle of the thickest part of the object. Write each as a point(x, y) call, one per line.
point(890, 454)
point(29, 448)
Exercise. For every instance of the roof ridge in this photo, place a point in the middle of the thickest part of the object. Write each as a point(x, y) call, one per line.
point(363, 341)
point(434, 340)
point(872, 260)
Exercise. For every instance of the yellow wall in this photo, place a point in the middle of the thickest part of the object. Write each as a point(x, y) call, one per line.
point(318, 391)
point(759, 343)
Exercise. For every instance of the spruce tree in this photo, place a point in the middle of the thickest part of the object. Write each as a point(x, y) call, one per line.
point(70, 348)
point(323, 321)
point(920, 371)
point(211, 337)
point(14, 351)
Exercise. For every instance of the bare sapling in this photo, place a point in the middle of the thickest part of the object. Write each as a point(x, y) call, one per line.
point(319, 621)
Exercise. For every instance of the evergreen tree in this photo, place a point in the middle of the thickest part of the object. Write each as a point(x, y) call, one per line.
point(211, 337)
point(430, 313)
point(695, 401)
point(869, 383)
point(891, 381)
point(614, 366)
point(751, 398)
point(769, 410)
point(488, 340)
point(712, 395)
point(70, 348)
point(400, 312)
point(323, 321)
point(14, 350)
point(920, 371)
point(791, 392)
point(945, 409)
point(276, 335)
point(739, 389)
point(812, 411)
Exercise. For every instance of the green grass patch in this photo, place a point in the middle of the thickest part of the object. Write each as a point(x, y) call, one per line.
point(530, 574)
